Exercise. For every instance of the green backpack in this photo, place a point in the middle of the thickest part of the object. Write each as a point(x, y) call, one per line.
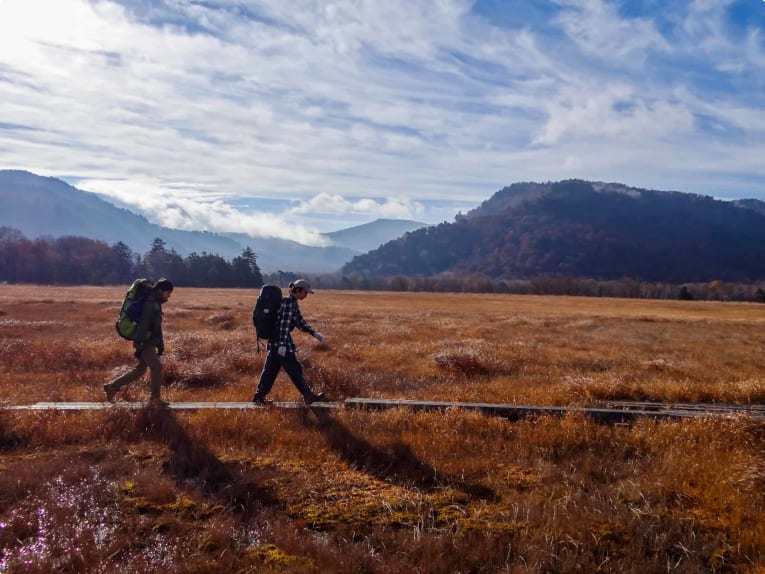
point(132, 307)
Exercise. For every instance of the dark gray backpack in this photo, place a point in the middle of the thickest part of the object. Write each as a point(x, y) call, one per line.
point(265, 313)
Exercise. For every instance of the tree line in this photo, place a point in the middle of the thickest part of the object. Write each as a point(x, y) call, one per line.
point(453, 282)
point(82, 261)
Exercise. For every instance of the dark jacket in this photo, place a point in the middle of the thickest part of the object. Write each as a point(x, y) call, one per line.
point(149, 328)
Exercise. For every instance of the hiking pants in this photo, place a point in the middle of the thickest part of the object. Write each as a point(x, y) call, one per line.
point(292, 367)
point(148, 360)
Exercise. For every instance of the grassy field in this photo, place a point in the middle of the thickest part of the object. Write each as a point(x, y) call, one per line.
point(152, 490)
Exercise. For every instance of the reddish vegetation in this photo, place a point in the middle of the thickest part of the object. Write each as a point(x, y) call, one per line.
point(297, 491)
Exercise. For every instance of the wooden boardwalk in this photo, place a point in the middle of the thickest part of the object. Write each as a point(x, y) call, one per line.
point(176, 406)
point(623, 412)
point(607, 412)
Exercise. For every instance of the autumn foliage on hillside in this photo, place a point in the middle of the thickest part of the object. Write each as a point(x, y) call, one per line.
point(582, 229)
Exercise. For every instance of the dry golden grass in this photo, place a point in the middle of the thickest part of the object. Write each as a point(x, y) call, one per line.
point(395, 491)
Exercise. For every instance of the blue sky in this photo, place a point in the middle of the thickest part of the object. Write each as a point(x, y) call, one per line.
point(289, 118)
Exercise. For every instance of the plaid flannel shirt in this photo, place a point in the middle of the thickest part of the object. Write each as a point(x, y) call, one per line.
point(288, 318)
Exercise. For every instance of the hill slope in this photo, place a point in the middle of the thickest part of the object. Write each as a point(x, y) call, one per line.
point(363, 238)
point(586, 229)
point(45, 206)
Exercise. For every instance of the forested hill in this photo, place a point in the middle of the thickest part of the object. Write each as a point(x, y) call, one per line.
point(586, 229)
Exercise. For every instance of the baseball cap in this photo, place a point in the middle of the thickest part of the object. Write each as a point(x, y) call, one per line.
point(302, 283)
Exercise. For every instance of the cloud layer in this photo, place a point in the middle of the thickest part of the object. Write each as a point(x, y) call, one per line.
point(350, 109)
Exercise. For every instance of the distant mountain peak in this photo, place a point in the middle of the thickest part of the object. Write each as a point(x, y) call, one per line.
point(368, 236)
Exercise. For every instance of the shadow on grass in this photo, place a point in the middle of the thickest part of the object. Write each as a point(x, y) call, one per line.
point(398, 463)
point(8, 439)
point(194, 462)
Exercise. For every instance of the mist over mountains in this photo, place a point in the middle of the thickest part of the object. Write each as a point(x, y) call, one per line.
point(45, 206)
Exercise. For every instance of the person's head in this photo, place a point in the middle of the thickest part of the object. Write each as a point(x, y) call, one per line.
point(164, 287)
point(300, 288)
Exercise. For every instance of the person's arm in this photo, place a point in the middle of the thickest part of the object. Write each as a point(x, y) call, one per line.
point(301, 324)
point(156, 331)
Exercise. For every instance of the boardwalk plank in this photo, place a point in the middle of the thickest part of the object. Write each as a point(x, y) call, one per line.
point(616, 412)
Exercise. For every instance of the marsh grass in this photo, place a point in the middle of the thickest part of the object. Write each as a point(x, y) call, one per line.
point(395, 491)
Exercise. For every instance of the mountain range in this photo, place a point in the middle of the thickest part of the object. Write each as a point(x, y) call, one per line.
point(45, 206)
point(579, 228)
point(572, 228)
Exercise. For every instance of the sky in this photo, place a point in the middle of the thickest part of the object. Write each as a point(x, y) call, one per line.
point(292, 118)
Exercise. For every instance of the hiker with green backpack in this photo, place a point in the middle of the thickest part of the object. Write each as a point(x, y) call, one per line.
point(140, 321)
point(281, 348)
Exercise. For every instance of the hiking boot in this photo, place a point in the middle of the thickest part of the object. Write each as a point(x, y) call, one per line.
point(311, 398)
point(261, 400)
point(110, 392)
point(155, 401)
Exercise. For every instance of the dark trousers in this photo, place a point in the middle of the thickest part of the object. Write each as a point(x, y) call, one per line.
point(291, 366)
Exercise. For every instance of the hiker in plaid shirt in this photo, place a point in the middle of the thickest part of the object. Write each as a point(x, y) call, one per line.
point(282, 350)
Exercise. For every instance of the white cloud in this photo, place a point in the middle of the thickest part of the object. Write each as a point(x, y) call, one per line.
point(707, 36)
point(597, 28)
point(171, 207)
point(187, 106)
point(614, 113)
point(392, 207)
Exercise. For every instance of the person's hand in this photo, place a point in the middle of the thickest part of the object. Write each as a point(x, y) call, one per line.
point(138, 350)
point(319, 337)
point(281, 351)
point(160, 350)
